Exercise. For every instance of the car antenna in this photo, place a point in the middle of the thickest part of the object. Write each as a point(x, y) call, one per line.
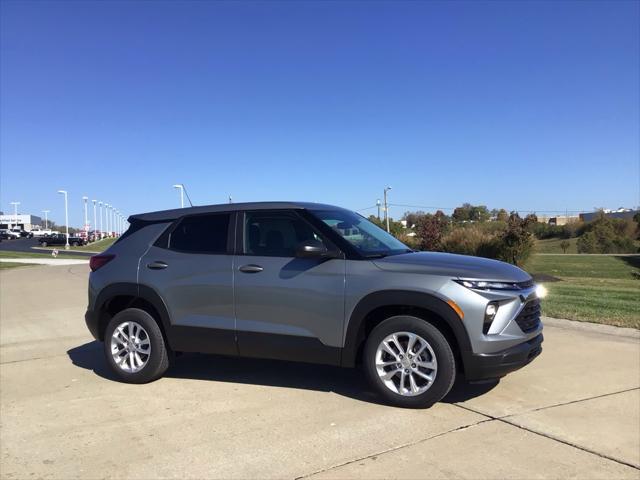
point(187, 194)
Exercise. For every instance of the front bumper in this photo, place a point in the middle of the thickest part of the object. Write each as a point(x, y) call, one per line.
point(486, 366)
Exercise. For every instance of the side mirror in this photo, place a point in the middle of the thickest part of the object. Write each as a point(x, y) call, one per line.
point(312, 249)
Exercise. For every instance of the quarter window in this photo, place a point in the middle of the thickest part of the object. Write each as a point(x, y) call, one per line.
point(201, 234)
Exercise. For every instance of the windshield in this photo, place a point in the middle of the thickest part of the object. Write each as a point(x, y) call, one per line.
point(369, 239)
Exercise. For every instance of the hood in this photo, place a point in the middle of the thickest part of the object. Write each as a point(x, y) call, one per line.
point(454, 266)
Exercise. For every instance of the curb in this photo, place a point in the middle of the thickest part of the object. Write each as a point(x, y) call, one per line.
point(592, 327)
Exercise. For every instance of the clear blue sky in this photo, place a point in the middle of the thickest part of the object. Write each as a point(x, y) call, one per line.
point(509, 104)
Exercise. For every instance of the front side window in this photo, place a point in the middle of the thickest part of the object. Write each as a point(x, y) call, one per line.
point(367, 238)
point(201, 234)
point(275, 234)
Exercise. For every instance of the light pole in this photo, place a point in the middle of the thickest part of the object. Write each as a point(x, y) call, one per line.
point(386, 207)
point(85, 199)
point(108, 217)
point(378, 205)
point(101, 229)
point(15, 213)
point(66, 218)
point(95, 221)
point(46, 225)
point(181, 188)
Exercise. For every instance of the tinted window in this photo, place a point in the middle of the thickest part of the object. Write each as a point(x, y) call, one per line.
point(275, 234)
point(201, 234)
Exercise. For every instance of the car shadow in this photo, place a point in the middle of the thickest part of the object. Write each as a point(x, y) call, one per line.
point(349, 382)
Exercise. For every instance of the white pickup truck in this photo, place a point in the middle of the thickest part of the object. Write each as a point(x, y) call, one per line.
point(42, 233)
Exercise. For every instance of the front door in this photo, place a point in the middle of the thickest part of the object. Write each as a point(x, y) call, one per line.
point(286, 307)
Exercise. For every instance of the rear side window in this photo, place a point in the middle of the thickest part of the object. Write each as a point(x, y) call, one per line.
point(201, 234)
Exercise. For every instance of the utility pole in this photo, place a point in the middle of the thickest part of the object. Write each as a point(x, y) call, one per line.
point(86, 219)
point(101, 230)
point(386, 208)
point(46, 223)
point(95, 221)
point(15, 213)
point(378, 205)
point(180, 187)
point(66, 218)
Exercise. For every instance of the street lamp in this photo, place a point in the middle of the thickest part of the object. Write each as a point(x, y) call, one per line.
point(181, 188)
point(46, 212)
point(86, 219)
point(378, 205)
point(101, 225)
point(15, 213)
point(386, 207)
point(107, 206)
point(95, 221)
point(66, 218)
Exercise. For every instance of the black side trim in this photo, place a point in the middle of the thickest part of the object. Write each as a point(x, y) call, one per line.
point(203, 340)
point(287, 347)
point(401, 298)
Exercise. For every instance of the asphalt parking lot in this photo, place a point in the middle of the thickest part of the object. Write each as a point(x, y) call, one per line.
point(574, 412)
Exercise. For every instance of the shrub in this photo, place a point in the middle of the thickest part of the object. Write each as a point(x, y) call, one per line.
point(606, 235)
point(469, 241)
point(564, 245)
point(515, 245)
point(430, 229)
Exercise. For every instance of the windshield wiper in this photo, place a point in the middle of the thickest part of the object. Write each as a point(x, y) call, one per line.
point(376, 255)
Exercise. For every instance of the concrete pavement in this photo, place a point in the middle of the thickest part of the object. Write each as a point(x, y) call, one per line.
point(572, 413)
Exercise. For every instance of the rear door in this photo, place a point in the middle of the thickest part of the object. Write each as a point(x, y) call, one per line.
point(190, 267)
point(286, 307)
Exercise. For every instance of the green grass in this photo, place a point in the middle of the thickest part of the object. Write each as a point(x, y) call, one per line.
point(99, 246)
point(593, 288)
point(552, 245)
point(4, 265)
point(9, 254)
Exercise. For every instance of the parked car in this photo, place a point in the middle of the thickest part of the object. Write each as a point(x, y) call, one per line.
point(23, 233)
point(41, 232)
point(60, 239)
point(8, 234)
point(313, 283)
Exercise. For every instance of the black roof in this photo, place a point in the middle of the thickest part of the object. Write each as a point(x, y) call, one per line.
point(169, 215)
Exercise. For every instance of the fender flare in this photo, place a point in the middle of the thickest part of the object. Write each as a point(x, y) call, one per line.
point(402, 298)
point(136, 291)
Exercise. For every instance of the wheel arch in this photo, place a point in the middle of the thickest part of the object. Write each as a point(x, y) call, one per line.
point(377, 306)
point(119, 296)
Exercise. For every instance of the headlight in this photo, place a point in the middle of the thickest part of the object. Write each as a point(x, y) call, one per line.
point(488, 285)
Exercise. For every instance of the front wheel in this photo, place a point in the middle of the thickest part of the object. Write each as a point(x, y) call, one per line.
point(409, 362)
point(43, 244)
point(135, 347)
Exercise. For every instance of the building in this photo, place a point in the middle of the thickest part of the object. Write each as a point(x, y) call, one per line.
point(24, 222)
point(558, 219)
point(620, 213)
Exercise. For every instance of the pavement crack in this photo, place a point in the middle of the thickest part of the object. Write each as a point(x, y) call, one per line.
point(393, 449)
point(505, 419)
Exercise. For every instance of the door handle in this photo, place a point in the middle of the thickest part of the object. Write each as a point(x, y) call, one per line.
point(157, 265)
point(251, 268)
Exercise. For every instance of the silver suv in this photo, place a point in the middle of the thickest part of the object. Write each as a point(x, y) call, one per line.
point(312, 283)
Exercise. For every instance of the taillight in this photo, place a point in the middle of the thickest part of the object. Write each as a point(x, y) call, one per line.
point(98, 261)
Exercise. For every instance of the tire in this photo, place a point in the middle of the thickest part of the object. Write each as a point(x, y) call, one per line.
point(43, 244)
point(74, 244)
point(437, 347)
point(157, 360)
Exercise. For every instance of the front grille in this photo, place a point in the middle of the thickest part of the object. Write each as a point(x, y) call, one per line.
point(529, 318)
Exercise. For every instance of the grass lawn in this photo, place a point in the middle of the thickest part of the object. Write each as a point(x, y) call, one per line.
point(9, 254)
point(99, 246)
point(4, 265)
point(552, 245)
point(593, 288)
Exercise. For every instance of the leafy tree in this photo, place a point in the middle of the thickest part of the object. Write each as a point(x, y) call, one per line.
point(606, 235)
point(502, 215)
point(564, 245)
point(515, 244)
point(430, 229)
point(412, 218)
point(471, 213)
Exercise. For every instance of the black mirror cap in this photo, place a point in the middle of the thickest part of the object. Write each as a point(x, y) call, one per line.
point(314, 249)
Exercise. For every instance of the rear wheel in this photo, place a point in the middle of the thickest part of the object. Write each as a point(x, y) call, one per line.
point(44, 244)
point(135, 347)
point(409, 362)
point(75, 244)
